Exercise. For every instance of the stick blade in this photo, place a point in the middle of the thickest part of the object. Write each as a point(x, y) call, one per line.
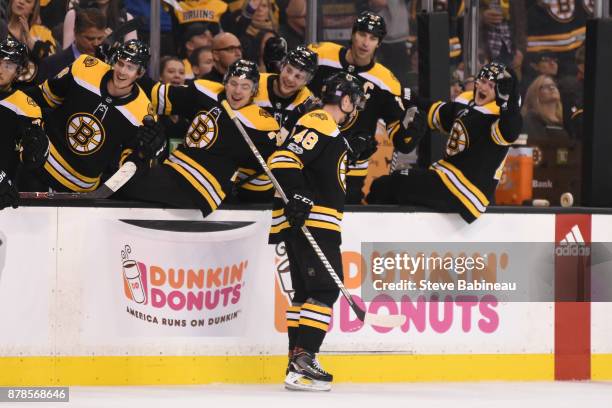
point(122, 176)
point(383, 320)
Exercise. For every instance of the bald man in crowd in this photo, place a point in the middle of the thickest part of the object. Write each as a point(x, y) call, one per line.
point(226, 49)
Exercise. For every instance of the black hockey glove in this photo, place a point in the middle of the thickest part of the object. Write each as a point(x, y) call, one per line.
point(506, 91)
point(150, 139)
point(299, 111)
point(104, 52)
point(34, 147)
point(298, 208)
point(360, 146)
point(418, 125)
point(9, 197)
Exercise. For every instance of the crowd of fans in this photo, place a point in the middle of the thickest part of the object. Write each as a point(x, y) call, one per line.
point(541, 41)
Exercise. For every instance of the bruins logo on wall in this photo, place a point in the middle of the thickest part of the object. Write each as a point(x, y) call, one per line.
point(203, 130)
point(458, 139)
point(85, 133)
point(342, 168)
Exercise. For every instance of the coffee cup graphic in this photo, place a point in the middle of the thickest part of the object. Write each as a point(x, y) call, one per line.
point(131, 272)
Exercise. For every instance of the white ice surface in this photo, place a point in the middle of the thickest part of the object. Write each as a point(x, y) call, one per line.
point(409, 395)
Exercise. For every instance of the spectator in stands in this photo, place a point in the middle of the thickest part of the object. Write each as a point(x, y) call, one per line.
point(215, 13)
point(23, 25)
point(201, 61)
point(264, 25)
point(196, 35)
point(142, 9)
point(89, 32)
point(503, 31)
point(572, 89)
point(115, 14)
point(542, 64)
point(52, 13)
point(226, 50)
point(294, 28)
point(172, 71)
point(542, 108)
point(23, 18)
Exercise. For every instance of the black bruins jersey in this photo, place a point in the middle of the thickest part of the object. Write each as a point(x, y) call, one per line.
point(213, 148)
point(313, 158)
point(16, 111)
point(384, 101)
point(557, 26)
point(476, 150)
point(254, 180)
point(89, 130)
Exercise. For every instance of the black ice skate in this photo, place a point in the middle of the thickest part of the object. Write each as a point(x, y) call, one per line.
point(305, 374)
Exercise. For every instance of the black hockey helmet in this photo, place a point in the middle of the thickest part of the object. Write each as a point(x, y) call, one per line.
point(303, 59)
point(243, 69)
point(491, 71)
point(14, 51)
point(275, 50)
point(134, 51)
point(341, 84)
point(371, 23)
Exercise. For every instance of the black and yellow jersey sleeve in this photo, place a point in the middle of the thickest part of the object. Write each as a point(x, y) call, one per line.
point(22, 105)
point(181, 99)
point(16, 110)
point(441, 114)
point(256, 118)
point(328, 53)
point(86, 71)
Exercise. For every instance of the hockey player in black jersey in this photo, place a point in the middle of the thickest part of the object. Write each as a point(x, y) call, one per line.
point(97, 120)
point(282, 95)
point(311, 168)
point(481, 125)
point(199, 172)
point(23, 140)
point(385, 98)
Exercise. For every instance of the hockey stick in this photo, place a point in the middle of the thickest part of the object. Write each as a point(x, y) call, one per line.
point(117, 180)
point(366, 317)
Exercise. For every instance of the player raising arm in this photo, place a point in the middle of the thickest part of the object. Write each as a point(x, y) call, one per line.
point(198, 173)
point(481, 125)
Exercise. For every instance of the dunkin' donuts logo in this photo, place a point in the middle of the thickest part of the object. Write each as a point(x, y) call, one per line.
point(201, 292)
point(477, 314)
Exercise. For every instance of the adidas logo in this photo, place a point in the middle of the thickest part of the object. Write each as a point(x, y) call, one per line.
point(573, 237)
point(573, 244)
